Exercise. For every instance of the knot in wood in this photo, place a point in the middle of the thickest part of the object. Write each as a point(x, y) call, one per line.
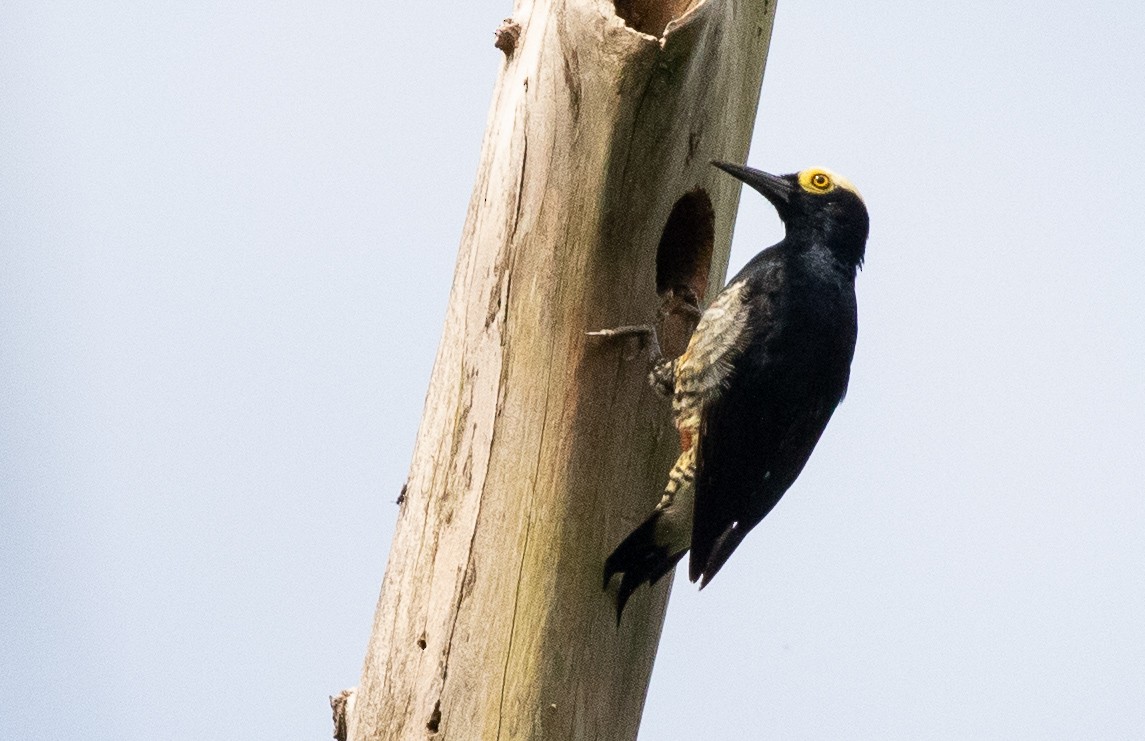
point(506, 36)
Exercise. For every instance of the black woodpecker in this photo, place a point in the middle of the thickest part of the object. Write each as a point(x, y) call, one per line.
point(763, 372)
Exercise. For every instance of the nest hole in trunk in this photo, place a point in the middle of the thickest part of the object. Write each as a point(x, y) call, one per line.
point(652, 16)
point(683, 263)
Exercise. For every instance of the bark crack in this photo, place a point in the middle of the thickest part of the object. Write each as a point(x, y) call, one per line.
point(521, 179)
point(465, 584)
point(525, 548)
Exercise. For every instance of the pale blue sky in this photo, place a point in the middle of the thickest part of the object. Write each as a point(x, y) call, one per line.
point(227, 233)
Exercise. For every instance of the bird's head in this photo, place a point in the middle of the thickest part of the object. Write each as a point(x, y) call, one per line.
point(814, 202)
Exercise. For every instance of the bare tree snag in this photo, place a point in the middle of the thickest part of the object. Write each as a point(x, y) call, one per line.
point(540, 448)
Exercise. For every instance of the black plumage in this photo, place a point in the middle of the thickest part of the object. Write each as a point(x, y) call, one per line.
point(766, 366)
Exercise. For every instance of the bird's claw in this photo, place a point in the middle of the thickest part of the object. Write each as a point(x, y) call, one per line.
point(644, 332)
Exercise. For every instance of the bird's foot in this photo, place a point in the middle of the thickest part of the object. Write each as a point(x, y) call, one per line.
point(662, 378)
point(644, 333)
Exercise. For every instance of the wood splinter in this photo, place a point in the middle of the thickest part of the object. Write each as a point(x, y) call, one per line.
point(342, 705)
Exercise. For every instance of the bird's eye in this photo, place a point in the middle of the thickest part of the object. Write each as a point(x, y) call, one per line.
point(821, 181)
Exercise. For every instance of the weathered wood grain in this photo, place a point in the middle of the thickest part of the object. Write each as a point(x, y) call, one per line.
point(540, 448)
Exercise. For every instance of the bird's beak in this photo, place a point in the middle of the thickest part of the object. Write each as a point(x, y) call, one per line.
point(774, 188)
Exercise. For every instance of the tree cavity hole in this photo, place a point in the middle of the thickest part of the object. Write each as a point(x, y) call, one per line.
point(651, 16)
point(683, 263)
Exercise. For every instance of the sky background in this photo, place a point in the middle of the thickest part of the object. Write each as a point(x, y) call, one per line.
point(227, 235)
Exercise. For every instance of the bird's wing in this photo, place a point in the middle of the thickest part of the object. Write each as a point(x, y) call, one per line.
point(754, 434)
point(703, 370)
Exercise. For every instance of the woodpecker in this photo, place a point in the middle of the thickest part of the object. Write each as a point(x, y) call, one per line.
point(764, 370)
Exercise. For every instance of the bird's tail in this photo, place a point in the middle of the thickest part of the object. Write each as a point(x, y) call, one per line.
point(652, 549)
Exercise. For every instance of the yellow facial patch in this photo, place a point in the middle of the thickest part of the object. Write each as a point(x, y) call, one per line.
point(820, 181)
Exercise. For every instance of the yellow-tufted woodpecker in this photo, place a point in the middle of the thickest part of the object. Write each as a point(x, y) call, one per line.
point(764, 370)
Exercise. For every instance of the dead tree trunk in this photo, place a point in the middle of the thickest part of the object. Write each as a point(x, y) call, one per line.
point(540, 448)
